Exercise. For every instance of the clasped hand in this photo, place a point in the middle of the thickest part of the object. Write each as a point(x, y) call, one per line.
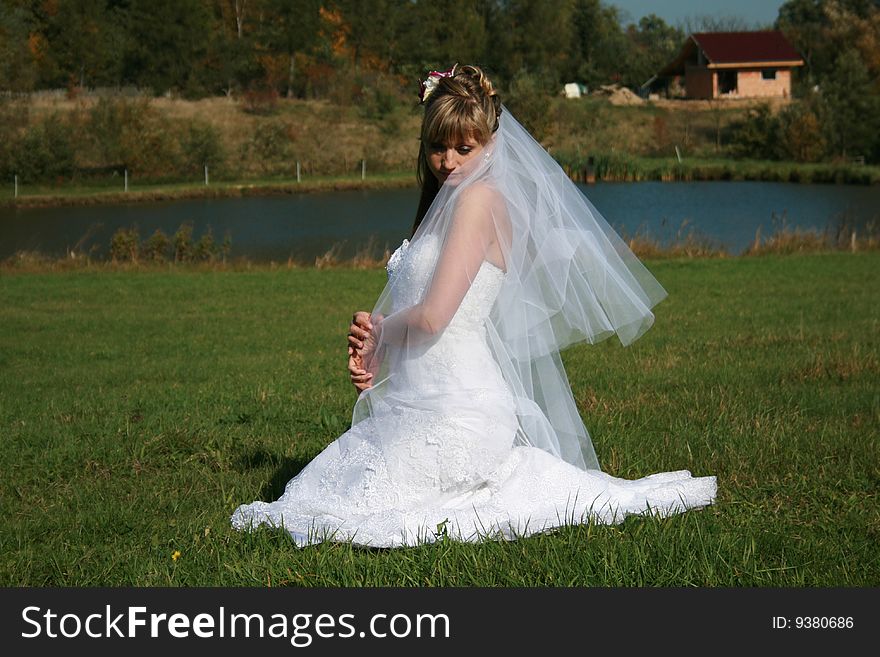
point(361, 344)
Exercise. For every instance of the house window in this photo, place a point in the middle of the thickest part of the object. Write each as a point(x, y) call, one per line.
point(768, 74)
point(726, 82)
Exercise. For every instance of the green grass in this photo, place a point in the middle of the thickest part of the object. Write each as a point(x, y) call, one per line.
point(139, 408)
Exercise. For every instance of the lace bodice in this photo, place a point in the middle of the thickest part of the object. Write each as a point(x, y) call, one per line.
point(409, 269)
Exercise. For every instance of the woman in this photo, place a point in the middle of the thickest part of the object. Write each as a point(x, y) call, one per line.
point(466, 426)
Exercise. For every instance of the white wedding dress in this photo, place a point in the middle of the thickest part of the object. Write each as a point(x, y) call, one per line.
point(442, 461)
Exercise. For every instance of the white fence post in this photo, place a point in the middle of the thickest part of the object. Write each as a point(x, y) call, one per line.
point(363, 169)
point(126, 180)
point(298, 179)
point(16, 185)
point(206, 174)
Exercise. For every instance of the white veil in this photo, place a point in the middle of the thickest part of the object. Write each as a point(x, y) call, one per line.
point(568, 278)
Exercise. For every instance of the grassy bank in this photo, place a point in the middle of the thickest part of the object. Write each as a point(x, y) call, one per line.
point(620, 167)
point(131, 252)
point(165, 143)
point(94, 194)
point(139, 408)
point(605, 167)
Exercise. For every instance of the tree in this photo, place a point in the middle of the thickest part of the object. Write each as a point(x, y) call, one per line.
point(600, 45)
point(652, 44)
point(853, 100)
point(291, 27)
point(801, 21)
point(802, 134)
point(18, 53)
point(429, 41)
point(840, 43)
point(370, 28)
point(238, 9)
point(538, 48)
point(169, 43)
point(717, 24)
point(821, 29)
point(757, 135)
point(500, 44)
point(230, 62)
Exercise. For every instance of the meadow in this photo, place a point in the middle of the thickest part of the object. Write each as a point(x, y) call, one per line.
point(140, 405)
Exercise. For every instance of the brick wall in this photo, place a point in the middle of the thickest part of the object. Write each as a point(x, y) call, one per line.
point(750, 84)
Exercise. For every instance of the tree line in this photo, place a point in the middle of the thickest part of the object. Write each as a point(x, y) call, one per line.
point(304, 48)
point(371, 53)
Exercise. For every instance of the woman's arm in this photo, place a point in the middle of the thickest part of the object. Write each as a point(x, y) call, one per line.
point(471, 235)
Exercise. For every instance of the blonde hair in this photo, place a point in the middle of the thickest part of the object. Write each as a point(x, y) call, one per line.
point(463, 105)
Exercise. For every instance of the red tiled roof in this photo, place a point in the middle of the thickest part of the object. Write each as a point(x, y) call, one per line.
point(733, 47)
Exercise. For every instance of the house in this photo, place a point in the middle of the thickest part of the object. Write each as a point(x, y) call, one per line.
point(730, 65)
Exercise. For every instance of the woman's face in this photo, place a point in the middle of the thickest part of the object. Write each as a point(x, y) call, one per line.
point(443, 159)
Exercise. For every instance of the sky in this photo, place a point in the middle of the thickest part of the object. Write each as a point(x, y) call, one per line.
point(754, 12)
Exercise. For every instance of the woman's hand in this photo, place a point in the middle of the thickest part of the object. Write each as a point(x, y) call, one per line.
point(359, 343)
point(359, 330)
point(360, 378)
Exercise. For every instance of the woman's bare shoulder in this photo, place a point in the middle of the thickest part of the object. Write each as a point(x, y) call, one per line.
point(481, 193)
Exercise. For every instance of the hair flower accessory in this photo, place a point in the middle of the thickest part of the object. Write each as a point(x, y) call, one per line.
point(432, 81)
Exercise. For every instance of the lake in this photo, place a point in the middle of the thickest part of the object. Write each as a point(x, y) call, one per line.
point(303, 226)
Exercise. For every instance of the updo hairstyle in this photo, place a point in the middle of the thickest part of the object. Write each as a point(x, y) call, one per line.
point(463, 105)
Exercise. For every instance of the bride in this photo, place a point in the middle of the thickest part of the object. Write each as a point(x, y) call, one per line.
point(466, 426)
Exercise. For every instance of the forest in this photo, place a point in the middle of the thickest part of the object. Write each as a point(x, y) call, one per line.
point(314, 49)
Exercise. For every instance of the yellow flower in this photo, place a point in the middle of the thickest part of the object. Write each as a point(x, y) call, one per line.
point(175, 555)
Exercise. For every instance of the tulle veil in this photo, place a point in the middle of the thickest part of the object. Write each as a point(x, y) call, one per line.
point(568, 278)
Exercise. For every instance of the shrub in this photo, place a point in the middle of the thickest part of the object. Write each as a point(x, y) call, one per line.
point(45, 151)
point(271, 144)
point(130, 133)
point(156, 247)
point(206, 249)
point(124, 245)
point(226, 246)
point(183, 243)
point(530, 102)
point(802, 135)
point(110, 123)
point(380, 97)
point(757, 135)
point(345, 88)
point(202, 145)
point(262, 101)
point(662, 141)
point(14, 117)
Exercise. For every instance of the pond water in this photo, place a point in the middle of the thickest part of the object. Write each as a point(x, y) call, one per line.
point(304, 226)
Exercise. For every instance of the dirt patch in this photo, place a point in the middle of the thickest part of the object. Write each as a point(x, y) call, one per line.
point(618, 95)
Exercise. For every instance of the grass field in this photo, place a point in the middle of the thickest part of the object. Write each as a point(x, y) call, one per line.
point(139, 408)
